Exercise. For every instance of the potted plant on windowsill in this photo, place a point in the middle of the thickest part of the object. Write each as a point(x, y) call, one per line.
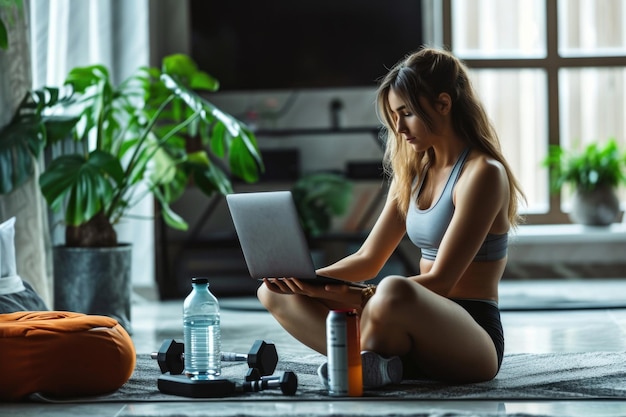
point(152, 134)
point(594, 174)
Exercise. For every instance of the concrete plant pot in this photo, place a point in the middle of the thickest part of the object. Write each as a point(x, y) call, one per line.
point(599, 207)
point(94, 281)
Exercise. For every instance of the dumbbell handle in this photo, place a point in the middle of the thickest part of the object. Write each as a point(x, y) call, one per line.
point(234, 357)
point(225, 356)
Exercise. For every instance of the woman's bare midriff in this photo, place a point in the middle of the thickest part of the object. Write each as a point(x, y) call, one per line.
point(480, 281)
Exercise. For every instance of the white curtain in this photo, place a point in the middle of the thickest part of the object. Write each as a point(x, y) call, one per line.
point(25, 203)
point(70, 33)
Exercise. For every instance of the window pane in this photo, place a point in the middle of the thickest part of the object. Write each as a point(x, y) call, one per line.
point(498, 28)
point(516, 102)
point(592, 27)
point(592, 107)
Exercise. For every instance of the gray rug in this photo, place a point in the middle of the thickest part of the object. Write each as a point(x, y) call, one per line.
point(570, 376)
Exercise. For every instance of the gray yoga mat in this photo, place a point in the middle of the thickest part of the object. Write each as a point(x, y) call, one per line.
point(563, 376)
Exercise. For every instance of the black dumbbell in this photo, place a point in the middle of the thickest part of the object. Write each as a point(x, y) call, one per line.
point(262, 358)
point(286, 381)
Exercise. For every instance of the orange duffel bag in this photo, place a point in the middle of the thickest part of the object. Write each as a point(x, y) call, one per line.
point(62, 354)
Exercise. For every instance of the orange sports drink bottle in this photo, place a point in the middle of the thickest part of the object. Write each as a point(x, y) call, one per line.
point(345, 375)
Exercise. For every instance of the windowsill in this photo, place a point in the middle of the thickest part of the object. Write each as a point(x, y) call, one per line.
point(560, 244)
point(568, 233)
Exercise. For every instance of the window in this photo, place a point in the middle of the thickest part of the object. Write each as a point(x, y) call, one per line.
point(542, 85)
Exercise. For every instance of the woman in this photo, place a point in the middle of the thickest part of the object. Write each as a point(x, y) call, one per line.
point(454, 195)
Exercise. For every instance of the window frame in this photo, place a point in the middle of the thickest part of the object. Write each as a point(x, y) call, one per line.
point(551, 64)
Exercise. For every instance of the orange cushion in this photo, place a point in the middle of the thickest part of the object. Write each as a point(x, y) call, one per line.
point(62, 354)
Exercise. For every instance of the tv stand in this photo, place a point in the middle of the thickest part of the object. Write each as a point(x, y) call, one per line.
point(374, 131)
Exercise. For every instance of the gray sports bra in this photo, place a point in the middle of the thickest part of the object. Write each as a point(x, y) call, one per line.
point(426, 228)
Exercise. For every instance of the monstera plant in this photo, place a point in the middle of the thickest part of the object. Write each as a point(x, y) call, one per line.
point(153, 134)
point(153, 129)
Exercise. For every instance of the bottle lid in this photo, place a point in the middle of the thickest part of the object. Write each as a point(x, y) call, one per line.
point(199, 280)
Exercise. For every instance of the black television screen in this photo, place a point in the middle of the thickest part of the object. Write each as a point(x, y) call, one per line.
point(296, 44)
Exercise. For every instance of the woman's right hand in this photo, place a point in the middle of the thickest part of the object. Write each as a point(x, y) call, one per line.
point(335, 292)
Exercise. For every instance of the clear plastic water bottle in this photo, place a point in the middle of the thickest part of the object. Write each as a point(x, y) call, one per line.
point(201, 327)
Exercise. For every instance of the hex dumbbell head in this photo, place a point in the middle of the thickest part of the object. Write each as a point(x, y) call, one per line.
point(287, 382)
point(170, 357)
point(263, 356)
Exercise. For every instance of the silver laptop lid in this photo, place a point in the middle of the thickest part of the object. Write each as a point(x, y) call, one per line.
point(270, 235)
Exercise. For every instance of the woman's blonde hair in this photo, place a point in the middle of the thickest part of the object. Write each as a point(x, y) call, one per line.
point(426, 74)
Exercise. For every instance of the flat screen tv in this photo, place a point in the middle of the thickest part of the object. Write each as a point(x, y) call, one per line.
point(301, 44)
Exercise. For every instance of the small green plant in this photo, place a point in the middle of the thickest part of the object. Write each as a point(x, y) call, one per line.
point(319, 197)
point(595, 166)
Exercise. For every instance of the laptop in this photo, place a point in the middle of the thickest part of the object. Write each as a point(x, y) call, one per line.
point(271, 237)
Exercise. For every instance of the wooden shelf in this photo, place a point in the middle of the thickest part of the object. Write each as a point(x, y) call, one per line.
point(373, 130)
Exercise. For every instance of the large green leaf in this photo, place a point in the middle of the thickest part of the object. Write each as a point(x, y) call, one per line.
point(173, 189)
point(208, 111)
point(170, 217)
point(58, 128)
point(244, 157)
point(163, 167)
point(217, 138)
point(17, 142)
point(185, 69)
point(243, 164)
point(212, 179)
point(85, 185)
point(23, 139)
point(82, 78)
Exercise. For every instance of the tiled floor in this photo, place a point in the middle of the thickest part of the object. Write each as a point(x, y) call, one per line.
point(526, 332)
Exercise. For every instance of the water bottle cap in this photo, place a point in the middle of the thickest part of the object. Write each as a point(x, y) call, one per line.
point(199, 280)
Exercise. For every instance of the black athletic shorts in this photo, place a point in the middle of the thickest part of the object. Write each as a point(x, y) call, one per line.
point(487, 315)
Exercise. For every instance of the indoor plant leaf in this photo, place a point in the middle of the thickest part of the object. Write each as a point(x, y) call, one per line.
point(170, 217)
point(595, 165)
point(28, 132)
point(211, 180)
point(17, 142)
point(183, 67)
point(243, 163)
point(4, 37)
point(319, 196)
point(217, 139)
point(87, 183)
